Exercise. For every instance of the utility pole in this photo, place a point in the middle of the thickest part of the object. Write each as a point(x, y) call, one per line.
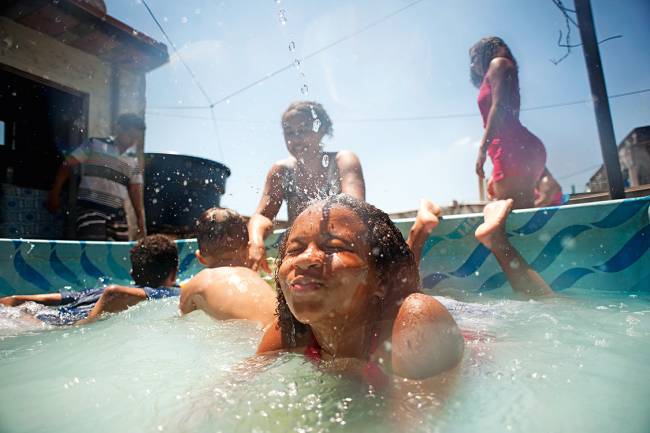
point(599, 97)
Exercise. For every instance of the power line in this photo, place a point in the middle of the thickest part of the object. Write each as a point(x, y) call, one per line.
point(584, 170)
point(424, 117)
point(291, 65)
point(476, 114)
point(192, 75)
point(180, 58)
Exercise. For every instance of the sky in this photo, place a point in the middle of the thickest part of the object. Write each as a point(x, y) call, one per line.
point(413, 63)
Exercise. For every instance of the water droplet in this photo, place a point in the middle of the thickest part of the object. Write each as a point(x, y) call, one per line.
point(297, 64)
point(282, 16)
point(57, 19)
point(316, 125)
point(184, 20)
point(304, 89)
point(292, 46)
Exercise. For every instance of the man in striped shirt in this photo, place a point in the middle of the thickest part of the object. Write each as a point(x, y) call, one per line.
point(110, 173)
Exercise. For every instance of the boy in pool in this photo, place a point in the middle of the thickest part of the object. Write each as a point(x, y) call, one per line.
point(154, 262)
point(228, 288)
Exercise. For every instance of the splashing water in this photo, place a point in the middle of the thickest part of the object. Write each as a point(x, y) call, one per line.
point(282, 16)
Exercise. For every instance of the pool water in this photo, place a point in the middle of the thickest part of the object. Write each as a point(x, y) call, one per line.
point(567, 364)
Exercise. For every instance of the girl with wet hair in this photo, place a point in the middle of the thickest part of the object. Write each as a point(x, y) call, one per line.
point(308, 173)
point(348, 289)
point(518, 156)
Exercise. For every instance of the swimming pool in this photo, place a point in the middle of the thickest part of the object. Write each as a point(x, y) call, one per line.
point(577, 362)
point(600, 246)
point(569, 364)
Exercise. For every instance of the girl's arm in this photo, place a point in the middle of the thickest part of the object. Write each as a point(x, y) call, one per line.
point(501, 75)
point(426, 340)
point(271, 340)
point(261, 222)
point(351, 174)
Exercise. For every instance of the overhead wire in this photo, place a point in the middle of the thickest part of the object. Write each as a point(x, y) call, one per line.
point(291, 65)
point(197, 82)
point(431, 117)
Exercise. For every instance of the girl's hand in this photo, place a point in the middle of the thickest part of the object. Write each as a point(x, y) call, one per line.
point(480, 162)
point(257, 258)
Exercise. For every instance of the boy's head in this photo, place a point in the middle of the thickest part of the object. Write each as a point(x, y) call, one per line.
point(222, 236)
point(129, 130)
point(154, 261)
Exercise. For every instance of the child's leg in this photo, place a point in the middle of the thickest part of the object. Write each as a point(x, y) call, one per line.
point(45, 299)
point(427, 219)
point(492, 234)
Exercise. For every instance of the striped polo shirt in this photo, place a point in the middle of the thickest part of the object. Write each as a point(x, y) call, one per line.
point(105, 173)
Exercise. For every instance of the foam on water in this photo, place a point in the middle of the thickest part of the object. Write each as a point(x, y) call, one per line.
point(569, 364)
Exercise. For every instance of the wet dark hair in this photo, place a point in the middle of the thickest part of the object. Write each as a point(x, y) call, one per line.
point(313, 110)
point(390, 258)
point(220, 229)
point(484, 51)
point(153, 259)
point(128, 121)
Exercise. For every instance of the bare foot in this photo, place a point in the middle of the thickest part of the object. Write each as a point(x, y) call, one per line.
point(428, 215)
point(548, 189)
point(492, 233)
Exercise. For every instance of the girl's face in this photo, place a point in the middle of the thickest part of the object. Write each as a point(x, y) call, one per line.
point(302, 142)
point(475, 63)
point(325, 274)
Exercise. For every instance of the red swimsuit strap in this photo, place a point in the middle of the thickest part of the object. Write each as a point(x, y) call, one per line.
point(372, 372)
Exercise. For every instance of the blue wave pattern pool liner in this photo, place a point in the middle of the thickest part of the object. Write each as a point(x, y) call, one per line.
point(601, 246)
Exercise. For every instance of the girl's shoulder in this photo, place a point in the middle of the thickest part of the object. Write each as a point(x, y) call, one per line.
point(426, 339)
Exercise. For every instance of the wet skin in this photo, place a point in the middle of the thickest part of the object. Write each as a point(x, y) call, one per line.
point(325, 273)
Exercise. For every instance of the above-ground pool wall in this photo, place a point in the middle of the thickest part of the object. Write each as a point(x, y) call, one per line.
point(29, 267)
point(602, 246)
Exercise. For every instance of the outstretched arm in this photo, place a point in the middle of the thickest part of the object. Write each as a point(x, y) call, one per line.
point(44, 299)
point(427, 219)
point(522, 277)
point(113, 300)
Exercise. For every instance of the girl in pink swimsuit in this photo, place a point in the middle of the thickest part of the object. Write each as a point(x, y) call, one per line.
point(518, 156)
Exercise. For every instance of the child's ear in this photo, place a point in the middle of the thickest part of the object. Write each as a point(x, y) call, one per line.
point(200, 258)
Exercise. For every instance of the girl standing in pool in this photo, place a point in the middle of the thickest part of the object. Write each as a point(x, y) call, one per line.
point(308, 173)
point(518, 156)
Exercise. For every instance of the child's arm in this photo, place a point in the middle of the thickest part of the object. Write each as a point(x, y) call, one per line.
point(351, 174)
point(492, 234)
point(113, 300)
point(261, 222)
point(44, 299)
point(136, 196)
point(427, 219)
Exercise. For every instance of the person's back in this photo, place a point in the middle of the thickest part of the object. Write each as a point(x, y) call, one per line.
point(227, 289)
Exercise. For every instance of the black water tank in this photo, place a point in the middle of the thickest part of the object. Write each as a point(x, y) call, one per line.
point(178, 188)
